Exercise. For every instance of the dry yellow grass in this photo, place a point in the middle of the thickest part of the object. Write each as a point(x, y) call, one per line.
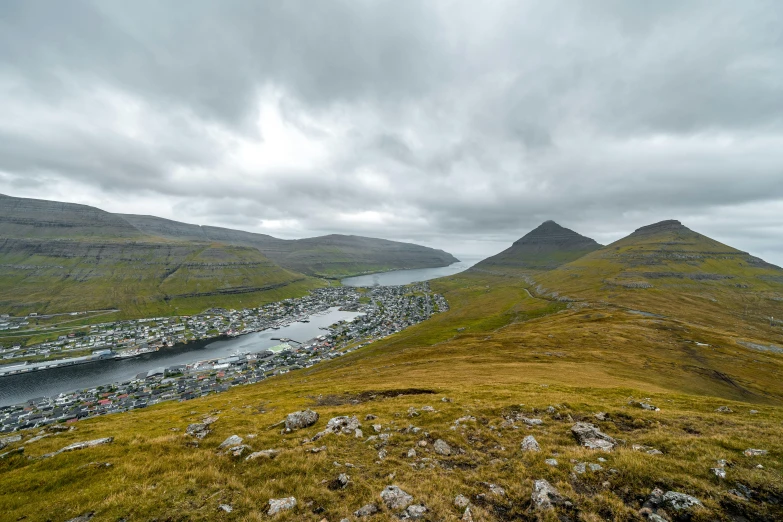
point(497, 351)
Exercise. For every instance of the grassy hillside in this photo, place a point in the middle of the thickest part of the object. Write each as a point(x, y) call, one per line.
point(141, 278)
point(500, 353)
point(333, 256)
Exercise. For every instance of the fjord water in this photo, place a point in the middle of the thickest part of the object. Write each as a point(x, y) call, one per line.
point(404, 277)
point(15, 389)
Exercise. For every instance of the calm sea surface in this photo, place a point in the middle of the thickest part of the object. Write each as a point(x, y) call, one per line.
point(404, 277)
point(18, 388)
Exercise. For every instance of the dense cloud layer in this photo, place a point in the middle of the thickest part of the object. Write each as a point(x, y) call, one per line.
point(457, 125)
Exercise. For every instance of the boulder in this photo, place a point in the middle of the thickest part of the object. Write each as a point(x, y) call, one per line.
point(276, 505)
point(396, 498)
point(300, 419)
point(339, 425)
point(441, 447)
point(233, 440)
point(589, 436)
point(238, 451)
point(198, 430)
point(366, 511)
point(680, 501)
point(752, 452)
point(545, 496)
point(461, 501)
point(263, 454)
point(530, 443)
point(414, 512)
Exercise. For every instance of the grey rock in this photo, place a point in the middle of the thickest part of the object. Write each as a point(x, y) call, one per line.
point(595, 467)
point(467, 516)
point(411, 453)
point(530, 443)
point(496, 490)
point(370, 417)
point(551, 462)
point(263, 454)
point(198, 430)
point(300, 419)
point(441, 447)
point(532, 422)
point(680, 501)
point(366, 511)
point(396, 498)
point(276, 505)
point(589, 436)
point(752, 452)
point(11, 453)
point(343, 480)
point(414, 512)
point(545, 496)
point(81, 445)
point(233, 440)
point(238, 451)
point(339, 425)
point(318, 450)
point(461, 501)
point(580, 468)
point(724, 409)
point(601, 416)
point(226, 507)
point(718, 472)
point(82, 518)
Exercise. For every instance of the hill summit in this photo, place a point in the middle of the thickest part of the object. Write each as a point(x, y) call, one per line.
point(546, 247)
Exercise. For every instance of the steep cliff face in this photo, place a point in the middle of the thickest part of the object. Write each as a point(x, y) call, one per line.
point(35, 218)
point(544, 248)
point(331, 256)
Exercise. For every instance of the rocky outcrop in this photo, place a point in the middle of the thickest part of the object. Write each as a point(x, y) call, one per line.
point(589, 436)
point(300, 419)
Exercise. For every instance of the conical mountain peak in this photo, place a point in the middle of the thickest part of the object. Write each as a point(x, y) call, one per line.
point(545, 247)
point(669, 225)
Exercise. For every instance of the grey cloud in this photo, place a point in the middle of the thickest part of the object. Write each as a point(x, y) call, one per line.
point(446, 122)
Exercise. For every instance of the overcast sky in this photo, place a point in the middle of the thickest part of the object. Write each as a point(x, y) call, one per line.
point(459, 125)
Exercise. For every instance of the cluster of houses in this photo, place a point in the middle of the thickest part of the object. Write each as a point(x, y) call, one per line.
point(386, 310)
point(135, 337)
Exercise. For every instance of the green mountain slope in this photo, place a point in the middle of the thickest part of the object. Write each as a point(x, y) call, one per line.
point(669, 269)
point(544, 248)
point(331, 256)
point(511, 365)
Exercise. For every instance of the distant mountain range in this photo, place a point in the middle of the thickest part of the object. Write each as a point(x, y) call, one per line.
point(57, 256)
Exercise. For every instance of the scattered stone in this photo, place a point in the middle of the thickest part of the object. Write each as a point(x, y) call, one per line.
point(5, 441)
point(198, 430)
point(382, 454)
point(724, 409)
point(445, 399)
point(595, 467)
point(753, 412)
point(377, 428)
point(441, 447)
point(551, 410)
point(238, 451)
point(414, 512)
point(422, 443)
point(589, 436)
point(412, 412)
point(265, 454)
point(719, 472)
point(339, 425)
point(343, 480)
point(551, 462)
point(358, 433)
point(395, 498)
point(580, 468)
point(532, 422)
point(318, 450)
point(276, 505)
point(366, 511)
point(81, 445)
point(496, 490)
point(680, 501)
point(300, 419)
point(370, 417)
point(233, 440)
point(601, 416)
point(545, 496)
point(467, 516)
point(225, 507)
point(647, 406)
point(11, 453)
point(96, 465)
point(411, 453)
point(752, 452)
point(530, 443)
point(427, 408)
point(461, 501)
point(466, 418)
point(646, 449)
point(82, 518)
point(58, 428)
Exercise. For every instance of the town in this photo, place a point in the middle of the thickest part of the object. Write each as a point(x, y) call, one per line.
point(385, 310)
